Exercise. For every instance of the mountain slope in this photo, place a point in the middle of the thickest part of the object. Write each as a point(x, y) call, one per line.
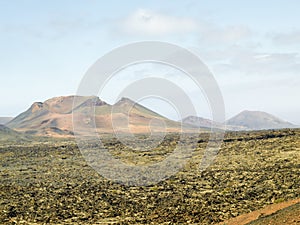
point(257, 120)
point(7, 134)
point(7, 131)
point(54, 117)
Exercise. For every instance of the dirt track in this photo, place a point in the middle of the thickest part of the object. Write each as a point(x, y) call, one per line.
point(282, 211)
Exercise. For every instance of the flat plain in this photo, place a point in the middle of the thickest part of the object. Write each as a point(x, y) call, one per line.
point(50, 182)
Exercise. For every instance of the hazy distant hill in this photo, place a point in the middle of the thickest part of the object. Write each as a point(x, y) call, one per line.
point(7, 131)
point(201, 122)
point(4, 120)
point(257, 120)
point(54, 117)
point(246, 120)
point(7, 134)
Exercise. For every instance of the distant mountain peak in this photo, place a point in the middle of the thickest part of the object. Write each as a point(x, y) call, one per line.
point(64, 104)
point(258, 120)
point(36, 106)
point(254, 112)
point(125, 100)
point(91, 102)
point(59, 99)
point(245, 120)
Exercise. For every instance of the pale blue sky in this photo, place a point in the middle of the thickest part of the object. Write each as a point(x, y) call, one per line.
point(252, 47)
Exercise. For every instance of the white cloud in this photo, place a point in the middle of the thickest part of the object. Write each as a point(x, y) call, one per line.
point(146, 22)
point(150, 23)
point(243, 61)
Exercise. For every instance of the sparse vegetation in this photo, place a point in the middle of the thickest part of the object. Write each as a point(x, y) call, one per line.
point(48, 181)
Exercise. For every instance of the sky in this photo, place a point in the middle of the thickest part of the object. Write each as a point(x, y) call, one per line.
point(251, 47)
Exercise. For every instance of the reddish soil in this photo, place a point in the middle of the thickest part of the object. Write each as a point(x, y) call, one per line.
point(286, 216)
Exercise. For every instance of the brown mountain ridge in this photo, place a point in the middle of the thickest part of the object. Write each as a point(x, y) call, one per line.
point(54, 117)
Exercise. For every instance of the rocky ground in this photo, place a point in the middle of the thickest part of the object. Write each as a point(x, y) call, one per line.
point(50, 182)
